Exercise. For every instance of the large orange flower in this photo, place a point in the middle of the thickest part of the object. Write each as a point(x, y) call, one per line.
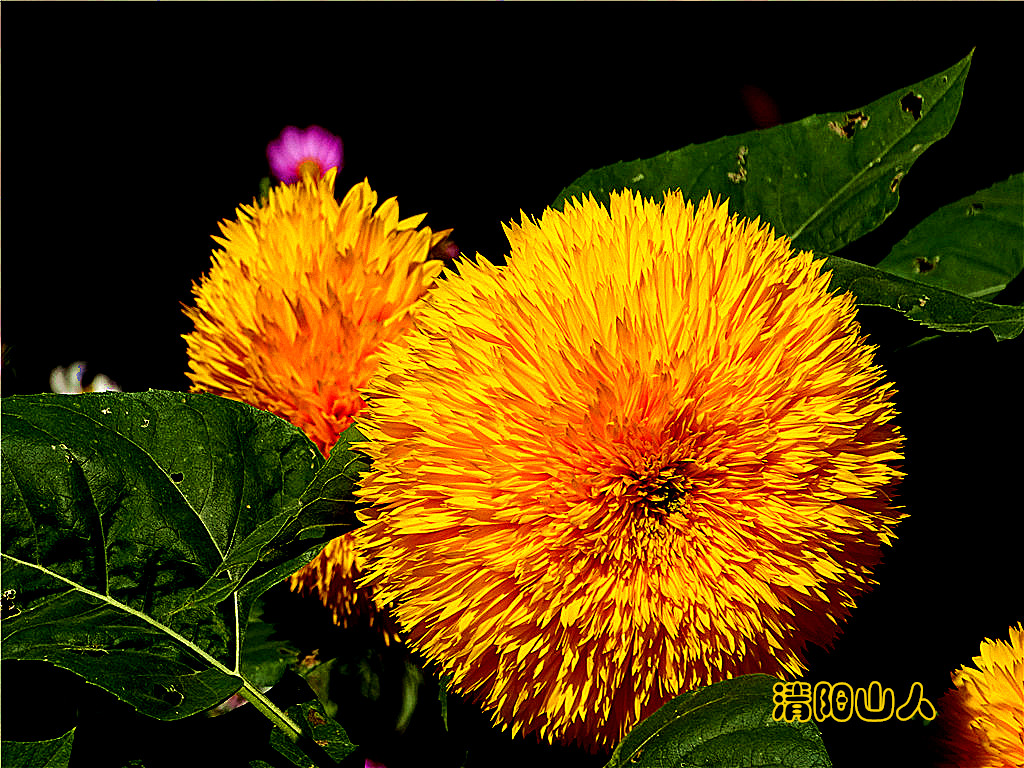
point(289, 319)
point(983, 717)
point(650, 453)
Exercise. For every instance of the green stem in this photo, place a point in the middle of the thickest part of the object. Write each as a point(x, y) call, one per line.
point(289, 727)
point(251, 693)
point(269, 710)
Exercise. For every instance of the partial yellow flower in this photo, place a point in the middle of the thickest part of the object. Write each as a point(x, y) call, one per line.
point(651, 453)
point(301, 295)
point(983, 717)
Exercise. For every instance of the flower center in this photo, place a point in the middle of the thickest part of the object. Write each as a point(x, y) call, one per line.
point(665, 498)
point(657, 500)
point(309, 167)
point(657, 488)
point(662, 497)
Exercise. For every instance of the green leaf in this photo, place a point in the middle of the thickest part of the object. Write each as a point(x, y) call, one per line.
point(282, 545)
point(52, 753)
point(931, 306)
point(823, 181)
point(265, 655)
point(318, 728)
point(124, 515)
point(333, 485)
point(724, 725)
point(442, 697)
point(263, 193)
point(973, 247)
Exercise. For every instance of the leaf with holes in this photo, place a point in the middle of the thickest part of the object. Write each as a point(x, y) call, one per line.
point(139, 528)
point(52, 753)
point(973, 247)
point(317, 728)
point(931, 306)
point(824, 181)
point(723, 725)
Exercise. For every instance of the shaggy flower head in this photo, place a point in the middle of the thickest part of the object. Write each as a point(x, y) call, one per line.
point(297, 153)
point(291, 316)
point(983, 716)
point(651, 453)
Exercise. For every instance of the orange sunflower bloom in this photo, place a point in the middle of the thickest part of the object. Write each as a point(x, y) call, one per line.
point(301, 295)
point(983, 717)
point(651, 453)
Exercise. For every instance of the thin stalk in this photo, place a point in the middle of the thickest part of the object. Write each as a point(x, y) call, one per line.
point(289, 727)
point(269, 710)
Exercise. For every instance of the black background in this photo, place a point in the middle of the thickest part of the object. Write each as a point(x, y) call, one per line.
point(130, 131)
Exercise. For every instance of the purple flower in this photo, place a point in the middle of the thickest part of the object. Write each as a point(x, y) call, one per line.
point(296, 153)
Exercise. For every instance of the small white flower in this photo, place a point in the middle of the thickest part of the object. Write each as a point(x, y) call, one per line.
point(68, 381)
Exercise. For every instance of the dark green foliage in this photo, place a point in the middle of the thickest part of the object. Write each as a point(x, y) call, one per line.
point(829, 179)
point(138, 530)
point(824, 181)
point(53, 753)
point(973, 247)
point(728, 724)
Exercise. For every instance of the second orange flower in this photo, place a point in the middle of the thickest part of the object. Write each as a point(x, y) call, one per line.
point(301, 295)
